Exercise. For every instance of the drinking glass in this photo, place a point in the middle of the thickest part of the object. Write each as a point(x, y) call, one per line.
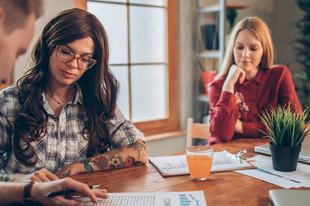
point(199, 161)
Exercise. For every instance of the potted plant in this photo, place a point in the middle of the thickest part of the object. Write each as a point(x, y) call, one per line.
point(286, 130)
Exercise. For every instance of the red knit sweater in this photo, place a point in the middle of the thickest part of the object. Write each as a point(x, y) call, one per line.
point(270, 88)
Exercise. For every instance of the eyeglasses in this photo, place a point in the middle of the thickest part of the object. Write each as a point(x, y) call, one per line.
point(66, 56)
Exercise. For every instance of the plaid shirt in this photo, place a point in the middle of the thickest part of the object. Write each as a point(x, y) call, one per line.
point(64, 143)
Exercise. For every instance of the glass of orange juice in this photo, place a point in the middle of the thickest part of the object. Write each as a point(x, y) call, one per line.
point(199, 161)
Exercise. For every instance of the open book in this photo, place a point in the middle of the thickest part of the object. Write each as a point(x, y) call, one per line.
point(177, 165)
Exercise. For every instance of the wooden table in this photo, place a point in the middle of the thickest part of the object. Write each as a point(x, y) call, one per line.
point(221, 188)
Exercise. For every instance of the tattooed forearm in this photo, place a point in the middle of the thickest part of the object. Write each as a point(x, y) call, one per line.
point(130, 161)
point(67, 174)
point(116, 161)
point(87, 166)
point(101, 162)
point(116, 158)
point(138, 147)
point(112, 161)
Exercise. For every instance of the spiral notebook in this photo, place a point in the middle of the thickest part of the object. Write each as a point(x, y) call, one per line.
point(177, 165)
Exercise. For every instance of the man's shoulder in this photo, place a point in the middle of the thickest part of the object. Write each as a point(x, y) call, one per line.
point(10, 91)
point(8, 98)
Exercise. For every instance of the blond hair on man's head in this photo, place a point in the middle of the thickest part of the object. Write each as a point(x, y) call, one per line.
point(261, 31)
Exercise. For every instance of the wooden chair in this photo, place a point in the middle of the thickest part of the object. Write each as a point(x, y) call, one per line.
point(196, 130)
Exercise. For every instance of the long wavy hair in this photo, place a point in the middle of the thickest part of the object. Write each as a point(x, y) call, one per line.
point(261, 31)
point(98, 85)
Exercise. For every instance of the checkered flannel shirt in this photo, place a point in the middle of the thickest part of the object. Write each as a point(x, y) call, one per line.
point(64, 143)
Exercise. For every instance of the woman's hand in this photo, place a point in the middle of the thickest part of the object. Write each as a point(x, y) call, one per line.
point(235, 74)
point(42, 175)
point(39, 190)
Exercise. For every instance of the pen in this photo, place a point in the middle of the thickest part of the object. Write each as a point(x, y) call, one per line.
point(58, 193)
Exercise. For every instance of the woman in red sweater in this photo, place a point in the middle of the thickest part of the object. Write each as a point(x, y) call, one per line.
point(247, 84)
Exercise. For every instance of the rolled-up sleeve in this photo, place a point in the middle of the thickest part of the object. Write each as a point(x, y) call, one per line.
point(122, 131)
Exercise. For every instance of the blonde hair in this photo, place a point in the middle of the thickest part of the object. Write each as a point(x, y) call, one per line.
point(261, 31)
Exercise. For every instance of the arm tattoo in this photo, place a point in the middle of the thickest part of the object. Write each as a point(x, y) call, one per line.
point(138, 147)
point(130, 161)
point(100, 161)
point(87, 166)
point(66, 174)
point(116, 161)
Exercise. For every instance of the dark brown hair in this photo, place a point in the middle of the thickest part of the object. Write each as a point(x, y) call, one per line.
point(98, 85)
point(16, 12)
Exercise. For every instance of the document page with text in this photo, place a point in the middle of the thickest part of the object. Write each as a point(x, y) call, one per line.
point(151, 199)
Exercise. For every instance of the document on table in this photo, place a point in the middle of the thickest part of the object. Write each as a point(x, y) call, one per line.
point(265, 172)
point(177, 165)
point(151, 199)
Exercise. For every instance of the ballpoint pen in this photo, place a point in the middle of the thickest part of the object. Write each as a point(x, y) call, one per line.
point(58, 193)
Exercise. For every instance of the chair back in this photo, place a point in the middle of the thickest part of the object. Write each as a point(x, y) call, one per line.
point(196, 130)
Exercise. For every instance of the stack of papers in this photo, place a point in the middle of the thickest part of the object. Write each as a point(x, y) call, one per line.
point(265, 172)
point(177, 165)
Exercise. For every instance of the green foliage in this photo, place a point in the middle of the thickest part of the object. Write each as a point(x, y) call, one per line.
point(231, 15)
point(303, 50)
point(284, 127)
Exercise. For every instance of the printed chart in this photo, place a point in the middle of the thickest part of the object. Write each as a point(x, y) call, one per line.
point(189, 200)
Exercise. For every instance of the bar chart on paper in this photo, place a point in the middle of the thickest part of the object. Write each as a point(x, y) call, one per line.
point(193, 198)
point(189, 200)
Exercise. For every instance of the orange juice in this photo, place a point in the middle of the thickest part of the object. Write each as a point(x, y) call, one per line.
point(199, 165)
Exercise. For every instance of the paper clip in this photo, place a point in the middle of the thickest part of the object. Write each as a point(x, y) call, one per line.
point(237, 157)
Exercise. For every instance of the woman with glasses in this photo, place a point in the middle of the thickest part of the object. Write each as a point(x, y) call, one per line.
point(61, 117)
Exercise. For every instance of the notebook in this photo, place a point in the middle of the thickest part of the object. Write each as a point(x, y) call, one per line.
point(289, 197)
point(304, 155)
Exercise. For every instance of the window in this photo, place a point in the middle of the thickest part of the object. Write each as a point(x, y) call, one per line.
point(144, 59)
